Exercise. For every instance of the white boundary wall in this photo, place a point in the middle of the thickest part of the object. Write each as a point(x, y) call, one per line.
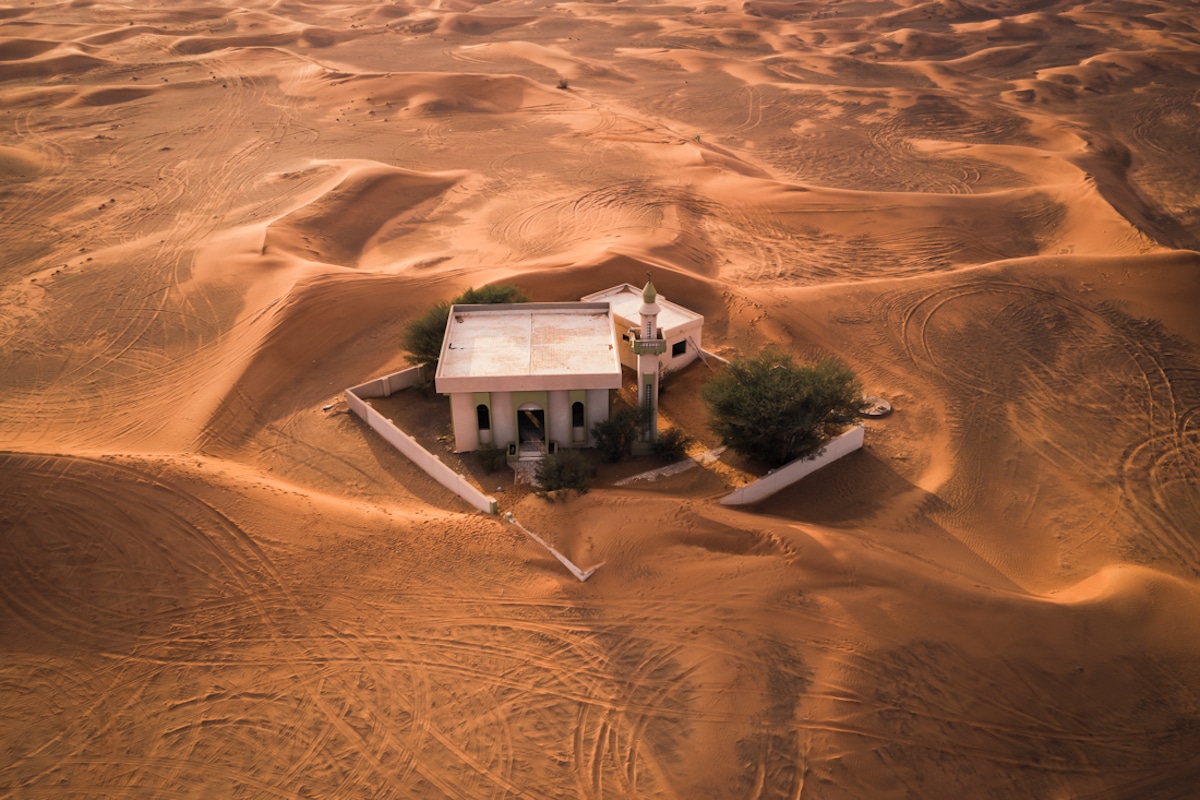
point(383, 387)
point(840, 445)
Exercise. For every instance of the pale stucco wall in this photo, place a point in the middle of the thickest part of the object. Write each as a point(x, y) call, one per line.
point(691, 335)
point(558, 418)
point(789, 473)
point(628, 359)
point(504, 419)
point(383, 387)
point(462, 417)
point(596, 410)
point(415, 452)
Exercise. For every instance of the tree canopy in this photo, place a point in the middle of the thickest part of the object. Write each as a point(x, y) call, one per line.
point(773, 410)
point(615, 436)
point(423, 337)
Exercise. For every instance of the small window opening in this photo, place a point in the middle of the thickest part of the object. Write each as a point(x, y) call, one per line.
point(483, 417)
point(577, 415)
point(678, 349)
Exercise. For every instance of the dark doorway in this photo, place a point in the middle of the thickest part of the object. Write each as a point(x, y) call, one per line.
point(531, 425)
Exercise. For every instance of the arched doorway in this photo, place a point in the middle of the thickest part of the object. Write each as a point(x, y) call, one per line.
point(531, 430)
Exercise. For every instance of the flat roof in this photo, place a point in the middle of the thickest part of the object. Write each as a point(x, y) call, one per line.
point(529, 346)
point(626, 300)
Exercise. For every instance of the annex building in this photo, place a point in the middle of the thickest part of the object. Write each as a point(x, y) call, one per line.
point(681, 328)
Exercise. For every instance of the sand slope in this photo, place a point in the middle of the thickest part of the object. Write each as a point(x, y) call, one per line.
point(217, 583)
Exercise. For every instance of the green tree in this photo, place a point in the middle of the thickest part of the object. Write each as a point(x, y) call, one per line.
point(492, 293)
point(423, 336)
point(773, 410)
point(615, 436)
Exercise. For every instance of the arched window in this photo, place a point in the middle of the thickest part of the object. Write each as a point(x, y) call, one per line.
point(578, 434)
point(483, 417)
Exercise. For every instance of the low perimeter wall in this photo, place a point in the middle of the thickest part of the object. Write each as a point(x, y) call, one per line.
point(356, 398)
point(383, 387)
point(835, 448)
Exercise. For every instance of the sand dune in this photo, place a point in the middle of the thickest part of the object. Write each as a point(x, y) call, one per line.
point(22, 49)
point(215, 582)
point(346, 221)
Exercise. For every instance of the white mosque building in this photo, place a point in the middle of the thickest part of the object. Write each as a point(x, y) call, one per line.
point(533, 377)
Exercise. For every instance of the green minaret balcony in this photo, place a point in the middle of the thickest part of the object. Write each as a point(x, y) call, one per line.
point(648, 347)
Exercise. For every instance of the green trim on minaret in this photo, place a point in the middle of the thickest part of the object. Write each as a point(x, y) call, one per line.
point(649, 295)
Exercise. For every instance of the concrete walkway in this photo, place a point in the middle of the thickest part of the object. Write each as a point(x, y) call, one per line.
point(704, 459)
point(525, 472)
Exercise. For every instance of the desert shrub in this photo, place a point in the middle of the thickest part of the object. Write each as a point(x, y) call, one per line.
point(423, 336)
point(773, 410)
point(666, 376)
point(564, 471)
point(615, 436)
point(672, 444)
point(492, 459)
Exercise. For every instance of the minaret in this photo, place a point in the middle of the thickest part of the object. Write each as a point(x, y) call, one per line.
point(648, 347)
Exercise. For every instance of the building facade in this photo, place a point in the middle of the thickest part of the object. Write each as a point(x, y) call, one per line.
point(530, 377)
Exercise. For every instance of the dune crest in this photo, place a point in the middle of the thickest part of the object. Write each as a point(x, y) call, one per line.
point(344, 223)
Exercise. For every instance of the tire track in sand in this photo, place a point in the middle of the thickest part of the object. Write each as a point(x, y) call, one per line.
point(194, 636)
point(226, 559)
point(1047, 352)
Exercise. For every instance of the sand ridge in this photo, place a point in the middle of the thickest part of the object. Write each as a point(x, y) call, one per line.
point(216, 581)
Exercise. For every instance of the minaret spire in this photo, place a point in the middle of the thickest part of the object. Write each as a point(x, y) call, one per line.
point(649, 346)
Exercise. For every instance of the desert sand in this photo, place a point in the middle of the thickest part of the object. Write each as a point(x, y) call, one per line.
point(215, 217)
